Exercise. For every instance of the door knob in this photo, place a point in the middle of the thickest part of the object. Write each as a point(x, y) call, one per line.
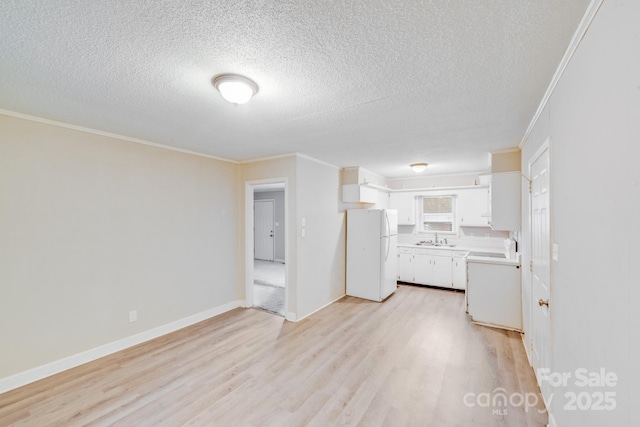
point(542, 302)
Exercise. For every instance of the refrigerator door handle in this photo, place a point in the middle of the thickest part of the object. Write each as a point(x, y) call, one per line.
point(386, 217)
point(386, 255)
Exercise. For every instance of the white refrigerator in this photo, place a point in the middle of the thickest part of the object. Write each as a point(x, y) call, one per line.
point(372, 260)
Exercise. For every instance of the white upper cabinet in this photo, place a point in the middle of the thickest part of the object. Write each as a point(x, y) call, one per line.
point(405, 203)
point(504, 201)
point(355, 193)
point(473, 207)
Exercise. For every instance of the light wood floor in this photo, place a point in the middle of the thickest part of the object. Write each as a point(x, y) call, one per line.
point(408, 361)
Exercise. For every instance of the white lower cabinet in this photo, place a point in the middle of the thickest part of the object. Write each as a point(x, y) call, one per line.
point(432, 267)
point(441, 267)
point(405, 264)
point(459, 271)
point(422, 271)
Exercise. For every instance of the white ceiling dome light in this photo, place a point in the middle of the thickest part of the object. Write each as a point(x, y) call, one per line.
point(235, 88)
point(418, 167)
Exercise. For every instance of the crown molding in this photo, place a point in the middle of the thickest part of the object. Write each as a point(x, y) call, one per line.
point(583, 27)
point(109, 134)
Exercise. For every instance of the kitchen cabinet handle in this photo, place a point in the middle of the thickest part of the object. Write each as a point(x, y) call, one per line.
point(542, 302)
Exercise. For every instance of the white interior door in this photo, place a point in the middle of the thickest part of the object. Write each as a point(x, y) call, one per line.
point(263, 220)
point(541, 275)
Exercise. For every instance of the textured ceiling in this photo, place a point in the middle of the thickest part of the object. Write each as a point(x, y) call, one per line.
point(377, 84)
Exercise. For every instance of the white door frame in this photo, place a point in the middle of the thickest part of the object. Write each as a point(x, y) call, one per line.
point(248, 241)
point(273, 224)
point(546, 146)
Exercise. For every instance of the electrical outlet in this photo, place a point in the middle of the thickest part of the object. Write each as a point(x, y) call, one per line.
point(133, 316)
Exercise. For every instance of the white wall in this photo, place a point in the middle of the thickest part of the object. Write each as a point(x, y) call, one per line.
point(321, 253)
point(282, 167)
point(316, 262)
point(593, 119)
point(92, 227)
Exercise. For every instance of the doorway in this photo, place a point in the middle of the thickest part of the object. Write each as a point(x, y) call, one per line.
point(541, 269)
point(266, 248)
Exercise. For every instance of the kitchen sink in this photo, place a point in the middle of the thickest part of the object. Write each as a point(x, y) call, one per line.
point(448, 245)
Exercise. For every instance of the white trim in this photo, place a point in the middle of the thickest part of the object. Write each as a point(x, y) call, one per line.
point(264, 159)
point(375, 187)
point(282, 156)
point(461, 187)
point(278, 260)
point(290, 316)
point(552, 420)
point(40, 372)
point(524, 337)
point(248, 240)
point(579, 34)
point(423, 176)
point(304, 156)
point(493, 325)
point(506, 151)
point(546, 146)
point(384, 178)
point(110, 135)
point(153, 144)
point(316, 310)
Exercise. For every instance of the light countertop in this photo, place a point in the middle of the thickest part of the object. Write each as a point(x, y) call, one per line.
point(471, 258)
point(492, 260)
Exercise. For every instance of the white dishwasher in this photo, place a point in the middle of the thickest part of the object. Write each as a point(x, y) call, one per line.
point(494, 295)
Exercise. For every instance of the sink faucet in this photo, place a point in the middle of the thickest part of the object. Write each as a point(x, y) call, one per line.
point(436, 237)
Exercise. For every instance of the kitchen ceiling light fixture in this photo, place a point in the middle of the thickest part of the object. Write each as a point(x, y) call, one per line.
point(235, 88)
point(418, 167)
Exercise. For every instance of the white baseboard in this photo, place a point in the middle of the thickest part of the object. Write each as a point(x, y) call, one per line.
point(316, 310)
point(40, 372)
point(281, 261)
point(552, 420)
point(525, 343)
point(290, 316)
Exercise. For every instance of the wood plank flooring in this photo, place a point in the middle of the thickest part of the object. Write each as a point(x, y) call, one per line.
point(408, 361)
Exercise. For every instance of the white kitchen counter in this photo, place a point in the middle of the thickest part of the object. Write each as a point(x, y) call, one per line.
point(470, 258)
point(493, 260)
point(440, 248)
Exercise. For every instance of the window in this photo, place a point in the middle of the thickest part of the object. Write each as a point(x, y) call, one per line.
point(438, 214)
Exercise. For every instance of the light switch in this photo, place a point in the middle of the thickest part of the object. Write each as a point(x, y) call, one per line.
point(554, 252)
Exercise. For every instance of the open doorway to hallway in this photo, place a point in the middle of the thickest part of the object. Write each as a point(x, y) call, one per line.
point(268, 286)
point(269, 247)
